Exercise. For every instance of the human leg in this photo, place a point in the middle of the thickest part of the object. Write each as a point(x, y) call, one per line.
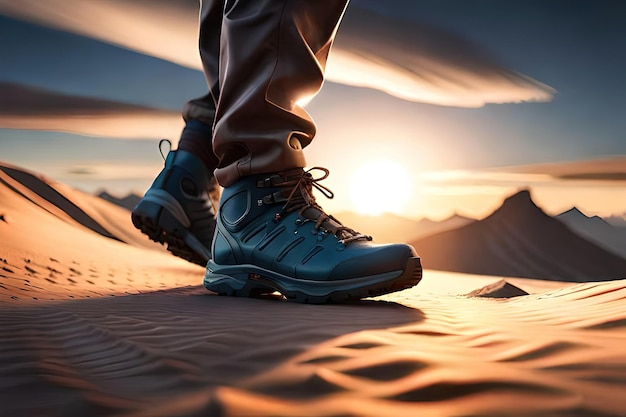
point(179, 208)
point(271, 234)
point(273, 54)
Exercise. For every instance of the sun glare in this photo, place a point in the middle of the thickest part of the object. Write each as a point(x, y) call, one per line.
point(380, 187)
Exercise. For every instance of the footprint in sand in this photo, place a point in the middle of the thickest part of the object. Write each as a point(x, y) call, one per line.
point(52, 270)
point(31, 270)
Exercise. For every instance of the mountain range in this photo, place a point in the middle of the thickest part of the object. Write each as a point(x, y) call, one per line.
point(516, 240)
point(520, 240)
point(396, 228)
point(597, 230)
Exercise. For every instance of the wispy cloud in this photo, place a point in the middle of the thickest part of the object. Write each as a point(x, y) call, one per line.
point(24, 107)
point(406, 59)
point(465, 190)
point(591, 185)
point(607, 169)
point(110, 171)
point(478, 176)
point(165, 29)
point(422, 63)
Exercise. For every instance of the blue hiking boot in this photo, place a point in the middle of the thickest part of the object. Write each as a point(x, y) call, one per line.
point(272, 235)
point(179, 208)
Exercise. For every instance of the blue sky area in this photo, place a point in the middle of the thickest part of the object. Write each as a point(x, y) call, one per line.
point(575, 47)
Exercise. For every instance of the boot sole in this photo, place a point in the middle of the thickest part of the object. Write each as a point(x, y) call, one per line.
point(248, 280)
point(158, 215)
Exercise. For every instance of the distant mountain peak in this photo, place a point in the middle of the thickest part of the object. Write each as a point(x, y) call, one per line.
point(574, 214)
point(520, 203)
point(104, 194)
point(457, 216)
point(520, 197)
point(129, 201)
point(574, 211)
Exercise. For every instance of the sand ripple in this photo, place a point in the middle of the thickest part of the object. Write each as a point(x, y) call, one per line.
point(189, 353)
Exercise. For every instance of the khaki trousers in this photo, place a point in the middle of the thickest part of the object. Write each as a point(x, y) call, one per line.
point(260, 57)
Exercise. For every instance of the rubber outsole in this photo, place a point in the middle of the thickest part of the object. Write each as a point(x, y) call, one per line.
point(255, 281)
point(162, 227)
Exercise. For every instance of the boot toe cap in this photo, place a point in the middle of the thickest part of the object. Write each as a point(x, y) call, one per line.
point(373, 261)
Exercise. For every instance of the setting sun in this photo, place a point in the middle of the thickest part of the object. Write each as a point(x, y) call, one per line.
point(380, 187)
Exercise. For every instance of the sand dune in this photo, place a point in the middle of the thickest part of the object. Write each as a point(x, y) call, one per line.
point(60, 243)
point(520, 240)
point(145, 340)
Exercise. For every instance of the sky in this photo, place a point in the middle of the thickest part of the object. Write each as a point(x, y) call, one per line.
point(564, 60)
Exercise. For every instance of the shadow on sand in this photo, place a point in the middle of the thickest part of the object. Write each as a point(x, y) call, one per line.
point(119, 354)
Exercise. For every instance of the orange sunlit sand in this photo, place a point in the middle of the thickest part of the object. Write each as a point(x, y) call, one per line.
point(96, 325)
point(442, 127)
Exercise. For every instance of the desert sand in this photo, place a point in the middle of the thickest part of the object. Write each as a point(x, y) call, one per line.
point(96, 320)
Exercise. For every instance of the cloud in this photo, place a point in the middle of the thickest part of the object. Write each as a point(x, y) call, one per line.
point(606, 169)
point(111, 171)
point(165, 29)
point(464, 190)
point(418, 62)
point(482, 177)
point(409, 60)
point(24, 107)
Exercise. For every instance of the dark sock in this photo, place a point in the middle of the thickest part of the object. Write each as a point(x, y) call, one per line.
point(197, 139)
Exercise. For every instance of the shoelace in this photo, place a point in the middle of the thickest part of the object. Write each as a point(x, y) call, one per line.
point(301, 198)
point(169, 145)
